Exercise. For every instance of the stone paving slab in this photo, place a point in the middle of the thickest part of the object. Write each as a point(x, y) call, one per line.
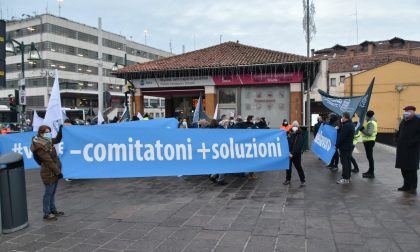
point(192, 214)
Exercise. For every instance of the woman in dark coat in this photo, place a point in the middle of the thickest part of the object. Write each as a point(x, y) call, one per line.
point(295, 139)
point(45, 154)
point(408, 145)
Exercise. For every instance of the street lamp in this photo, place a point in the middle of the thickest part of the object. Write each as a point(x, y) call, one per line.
point(33, 55)
point(128, 87)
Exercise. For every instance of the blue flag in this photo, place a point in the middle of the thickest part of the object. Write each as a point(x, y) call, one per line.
point(364, 105)
point(199, 112)
point(125, 117)
point(324, 143)
point(350, 104)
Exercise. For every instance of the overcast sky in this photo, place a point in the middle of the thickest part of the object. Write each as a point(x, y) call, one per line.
point(272, 24)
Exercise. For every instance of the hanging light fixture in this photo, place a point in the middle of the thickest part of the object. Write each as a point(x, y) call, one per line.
point(33, 53)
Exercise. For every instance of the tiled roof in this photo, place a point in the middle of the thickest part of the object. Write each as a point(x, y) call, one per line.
point(219, 56)
point(345, 64)
point(383, 45)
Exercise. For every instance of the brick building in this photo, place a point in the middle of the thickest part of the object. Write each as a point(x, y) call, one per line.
point(341, 62)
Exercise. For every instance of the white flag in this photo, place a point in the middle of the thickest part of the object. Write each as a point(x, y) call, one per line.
point(36, 121)
point(139, 116)
point(54, 115)
point(216, 111)
point(100, 117)
point(197, 111)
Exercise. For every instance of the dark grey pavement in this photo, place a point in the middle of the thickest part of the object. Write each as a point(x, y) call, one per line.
point(192, 214)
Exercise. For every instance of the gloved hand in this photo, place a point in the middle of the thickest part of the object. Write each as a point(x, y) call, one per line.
point(60, 176)
point(362, 128)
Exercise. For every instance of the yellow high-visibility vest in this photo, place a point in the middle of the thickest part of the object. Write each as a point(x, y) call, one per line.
point(375, 131)
point(356, 137)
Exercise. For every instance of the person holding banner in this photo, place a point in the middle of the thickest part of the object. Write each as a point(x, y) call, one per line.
point(369, 131)
point(45, 154)
point(345, 146)
point(295, 139)
point(355, 140)
point(334, 122)
point(408, 147)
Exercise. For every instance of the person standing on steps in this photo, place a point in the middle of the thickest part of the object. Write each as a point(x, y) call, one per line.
point(408, 148)
point(369, 131)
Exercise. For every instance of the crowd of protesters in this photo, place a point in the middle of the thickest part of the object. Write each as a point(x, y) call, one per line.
point(348, 135)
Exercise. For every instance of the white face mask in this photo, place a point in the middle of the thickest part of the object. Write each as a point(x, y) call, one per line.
point(406, 115)
point(294, 129)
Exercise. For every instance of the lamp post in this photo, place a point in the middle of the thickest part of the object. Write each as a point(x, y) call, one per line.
point(47, 73)
point(33, 55)
point(127, 85)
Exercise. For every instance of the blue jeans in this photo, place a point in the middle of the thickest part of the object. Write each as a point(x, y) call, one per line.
point(49, 198)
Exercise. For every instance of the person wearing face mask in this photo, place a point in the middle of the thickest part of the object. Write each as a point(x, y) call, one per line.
point(43, 148)
point(295, 139)
point(317, 125)
point(369, 131)
point(345, 146)
point(285, 125)
point(250, 122)
point(408, 145)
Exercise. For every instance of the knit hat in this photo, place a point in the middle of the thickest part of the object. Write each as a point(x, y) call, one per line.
point(410, 108)
point(370, 113)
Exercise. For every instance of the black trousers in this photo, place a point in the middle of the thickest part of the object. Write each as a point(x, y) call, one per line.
point(297, 162)
point(353, 161)
point(335, 159)
point(346, 163)
point(369, 154)
point(410, 179)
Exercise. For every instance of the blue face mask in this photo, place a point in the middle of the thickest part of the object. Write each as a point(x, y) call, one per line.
point(47, 136)
point(406, 115)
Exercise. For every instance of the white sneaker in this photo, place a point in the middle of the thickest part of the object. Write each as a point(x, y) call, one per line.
point(343, 181)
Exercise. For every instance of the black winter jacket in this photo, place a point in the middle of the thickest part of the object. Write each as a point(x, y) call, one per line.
point(408, 145)
point(295, 140)
point(345, 136)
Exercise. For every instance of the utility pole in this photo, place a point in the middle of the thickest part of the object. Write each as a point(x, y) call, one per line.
point(308, 79)
point(100, 65)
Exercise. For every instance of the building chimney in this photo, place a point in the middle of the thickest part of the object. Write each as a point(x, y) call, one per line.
point(312, 52)
point(370, 48)
point(408, 47)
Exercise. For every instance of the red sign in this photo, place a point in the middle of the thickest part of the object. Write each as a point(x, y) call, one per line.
point(252, 79)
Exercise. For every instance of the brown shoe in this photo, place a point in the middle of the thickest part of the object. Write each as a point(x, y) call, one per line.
point(50, 217)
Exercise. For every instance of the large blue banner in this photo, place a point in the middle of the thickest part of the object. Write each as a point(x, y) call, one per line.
point(108, 152)
point(324, 143)
point(21, 142)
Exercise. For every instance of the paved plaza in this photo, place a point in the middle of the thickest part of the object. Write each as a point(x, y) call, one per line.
point(192, 214)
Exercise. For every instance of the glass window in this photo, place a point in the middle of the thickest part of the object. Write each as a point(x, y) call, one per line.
point(333, 82)
point(227, 95)
point(154, 103)
point(342, 78)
